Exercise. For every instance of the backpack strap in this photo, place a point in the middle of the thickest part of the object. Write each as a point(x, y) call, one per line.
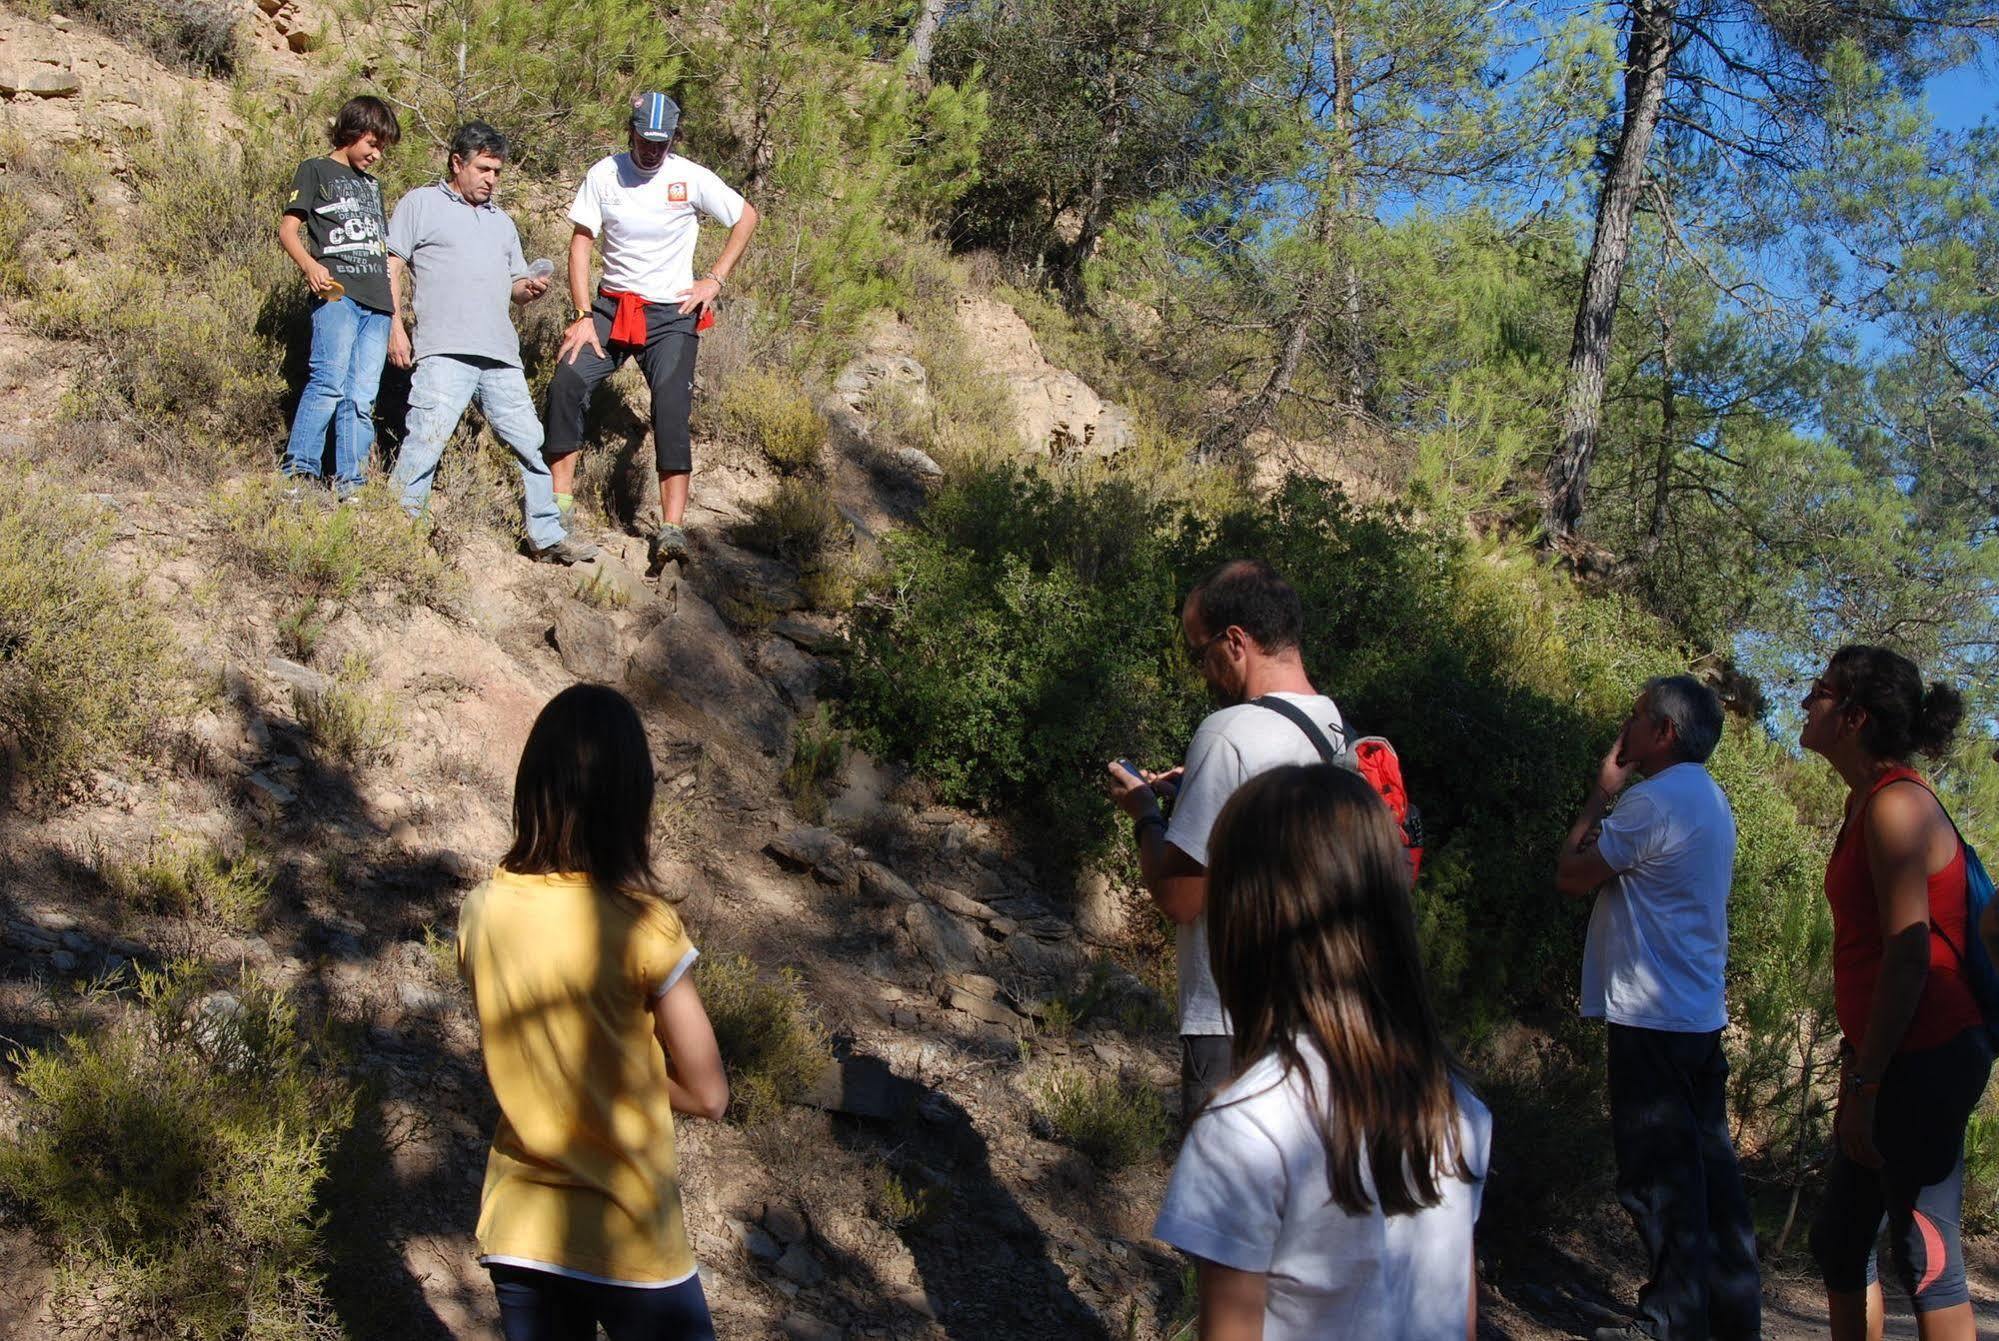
point(1328, 752)
point(1964, 850)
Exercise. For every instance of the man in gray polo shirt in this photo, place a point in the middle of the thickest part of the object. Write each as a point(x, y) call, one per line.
point(467, 260)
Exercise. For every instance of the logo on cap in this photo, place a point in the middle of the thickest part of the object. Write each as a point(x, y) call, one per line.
point(655, 116)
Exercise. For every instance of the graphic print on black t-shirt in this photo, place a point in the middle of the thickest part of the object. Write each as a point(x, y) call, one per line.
point(344, 227)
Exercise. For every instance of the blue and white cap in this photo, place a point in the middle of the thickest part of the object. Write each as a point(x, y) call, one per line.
point(655, 117)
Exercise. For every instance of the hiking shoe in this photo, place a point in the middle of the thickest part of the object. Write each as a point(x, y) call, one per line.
point(346, 491)
point(298, 487)
point(670, 545)
point(565, 552)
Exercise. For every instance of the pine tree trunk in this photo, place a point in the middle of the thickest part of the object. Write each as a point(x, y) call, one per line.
point(1647, 58)
point(1229, 438)
point(922, 36)
point(1071, 259)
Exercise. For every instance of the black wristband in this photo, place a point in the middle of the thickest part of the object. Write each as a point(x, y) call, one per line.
point(1146, 821)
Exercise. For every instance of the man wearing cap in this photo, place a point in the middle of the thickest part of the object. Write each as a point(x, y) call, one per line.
point(645, 204)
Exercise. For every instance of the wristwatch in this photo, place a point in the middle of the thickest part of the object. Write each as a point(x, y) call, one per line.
point(580, 314)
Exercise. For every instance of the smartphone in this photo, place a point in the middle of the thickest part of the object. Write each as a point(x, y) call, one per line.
point(1132, 768)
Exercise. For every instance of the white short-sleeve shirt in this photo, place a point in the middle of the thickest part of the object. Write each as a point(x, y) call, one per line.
point(1658, 935)
point(1249, 1191)
point(649, 222)
point(1229, 748)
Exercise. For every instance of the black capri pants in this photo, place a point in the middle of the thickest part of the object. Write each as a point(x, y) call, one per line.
point(667, 360)
point(1925, 1102)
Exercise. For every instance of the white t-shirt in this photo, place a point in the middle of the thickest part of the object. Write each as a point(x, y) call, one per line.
point(1230, 747)
point(1249, 1191)
point(648, 221)
point(1658, 936)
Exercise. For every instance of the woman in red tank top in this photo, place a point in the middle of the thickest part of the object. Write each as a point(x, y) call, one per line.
point(1915, 1055)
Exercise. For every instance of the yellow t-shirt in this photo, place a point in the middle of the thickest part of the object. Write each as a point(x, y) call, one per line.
point(582, 1177)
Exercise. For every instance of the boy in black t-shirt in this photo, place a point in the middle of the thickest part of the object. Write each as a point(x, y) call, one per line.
point(335, 230)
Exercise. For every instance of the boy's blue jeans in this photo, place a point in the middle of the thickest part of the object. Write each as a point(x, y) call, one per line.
point(349, 342)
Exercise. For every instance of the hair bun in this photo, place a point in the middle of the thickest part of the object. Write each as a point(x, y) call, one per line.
point(1937, 719)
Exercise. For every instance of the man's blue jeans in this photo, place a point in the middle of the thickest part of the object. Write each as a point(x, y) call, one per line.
point(440, 389)
point(349, 342)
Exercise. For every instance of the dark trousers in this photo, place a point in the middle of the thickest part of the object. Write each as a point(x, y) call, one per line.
point(1677, 1176)
point(667, 360)
point(1206, 1063)
point(542, 1306)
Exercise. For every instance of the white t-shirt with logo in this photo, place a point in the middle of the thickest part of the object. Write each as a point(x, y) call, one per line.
point(1249, 1191)
point(649, 222)
point(1658, 936)
point(1230, 747)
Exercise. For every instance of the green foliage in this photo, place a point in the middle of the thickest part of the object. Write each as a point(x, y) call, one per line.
point(601, 592)
point(817, 752)
point(1114, 1123)
point(366, 545)
point(197, 35)
point(173, 1160)
point(770, 413)
point(796, 522)
point(300, 630)
point(347, 719)
point(90, 673)
point(899, 1204)
point(555, 76)
point(773, 1046)
point(188, 876)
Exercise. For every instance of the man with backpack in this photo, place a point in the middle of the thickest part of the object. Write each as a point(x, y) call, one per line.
point(1660, 865)
point(1242, 627)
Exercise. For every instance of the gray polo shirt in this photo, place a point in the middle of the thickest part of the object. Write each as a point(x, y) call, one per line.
point(465, 259)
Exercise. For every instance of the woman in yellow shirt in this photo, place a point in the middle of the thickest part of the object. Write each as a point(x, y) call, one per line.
point(593, 1037)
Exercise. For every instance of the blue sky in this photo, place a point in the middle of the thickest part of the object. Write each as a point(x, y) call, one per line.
point(1965, 96)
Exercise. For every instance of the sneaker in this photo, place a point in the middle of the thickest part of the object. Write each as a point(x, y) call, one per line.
point(670, 545)
point(298, 487)
point(565, 552)
point(346, 491)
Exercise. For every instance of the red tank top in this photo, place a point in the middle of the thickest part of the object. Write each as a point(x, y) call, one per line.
point(1947, 1007)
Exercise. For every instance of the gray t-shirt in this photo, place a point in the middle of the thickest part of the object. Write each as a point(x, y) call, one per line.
point(1230, 747)
point(465, 259)
point(1658, 935)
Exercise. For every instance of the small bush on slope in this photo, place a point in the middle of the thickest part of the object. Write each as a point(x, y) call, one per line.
point(88, 671)
point(172, 1160)
point(190, 876)
point(771, 1044)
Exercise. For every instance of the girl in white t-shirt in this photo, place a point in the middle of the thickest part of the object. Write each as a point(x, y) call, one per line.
point(1330, 1189)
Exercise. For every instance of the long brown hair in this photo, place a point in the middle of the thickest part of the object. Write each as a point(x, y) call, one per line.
point(583, 793)
point(1312, 942)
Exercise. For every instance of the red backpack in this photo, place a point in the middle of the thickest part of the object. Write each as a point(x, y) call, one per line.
point(1375, 760)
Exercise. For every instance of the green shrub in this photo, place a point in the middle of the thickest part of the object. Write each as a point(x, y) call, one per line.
point(598, 591)
point(1115, 1123)
point(300, 630)
point(768, 412)
point(796, 522)
point(898, 1204)
point(817, 752)
point(322, 553)
point(90, 673)
point(773, 1046)
point(173, 1159)
point(347, 719)
point(189, 876)
point(196, 35)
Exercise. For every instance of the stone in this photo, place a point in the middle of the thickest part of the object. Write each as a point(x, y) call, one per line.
point(269, 791)
point(919, 462)
point(882, 885)
point(811, 633)
point(796, 675)
point(1047, 959)
point(299, 677)
point(586, 642)
point(821, 851)
point(977, 984)
point(981, 1008)
point(947, 942)
point(805, 1327)
point(301, 41)
point(785, 1222)
point(691, 668)
point(416, 997)
point(756, 1242)
point(1102, 915)
point(270, 6)
point(77, 942)
point(800, 1266)
point(41, 81)
point(898, 374)
point(62, 961)
point(863, 1086)
point(960, 904)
